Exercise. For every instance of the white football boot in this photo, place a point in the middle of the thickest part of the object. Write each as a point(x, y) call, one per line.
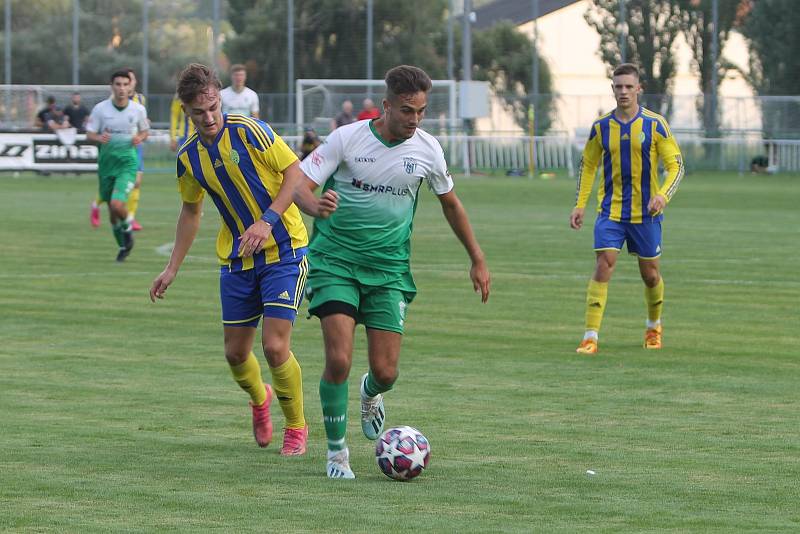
point(339, 464)
point(372, 413)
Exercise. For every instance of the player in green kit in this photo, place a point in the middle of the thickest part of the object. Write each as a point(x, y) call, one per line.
point(359, 269)
point(119, 125)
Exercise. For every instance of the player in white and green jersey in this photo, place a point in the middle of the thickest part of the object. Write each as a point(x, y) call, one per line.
point(119, 125)
point(359, 256)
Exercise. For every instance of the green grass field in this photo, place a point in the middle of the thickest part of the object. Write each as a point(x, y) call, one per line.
point(121, 415)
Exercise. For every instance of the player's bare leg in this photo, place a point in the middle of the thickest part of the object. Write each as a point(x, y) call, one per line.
point(654, 298)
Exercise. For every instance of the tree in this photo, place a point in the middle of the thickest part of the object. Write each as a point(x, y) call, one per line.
point(771, 30)
point(110, 37)
point(697, 27)
point(652, 26)
point(330, 38)
point(503, 56)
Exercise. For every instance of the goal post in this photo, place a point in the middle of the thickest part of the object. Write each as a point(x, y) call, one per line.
point(318, 101)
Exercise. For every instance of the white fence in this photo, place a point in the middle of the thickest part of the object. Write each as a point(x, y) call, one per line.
point(509, 154)
point(506, 153)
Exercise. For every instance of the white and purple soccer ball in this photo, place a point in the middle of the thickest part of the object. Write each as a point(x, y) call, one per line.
point(402, 453)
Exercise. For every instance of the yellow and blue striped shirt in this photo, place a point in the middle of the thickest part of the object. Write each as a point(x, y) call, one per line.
point(242, 171)
point(629, 153)
point(180, 126)
point(139, 98)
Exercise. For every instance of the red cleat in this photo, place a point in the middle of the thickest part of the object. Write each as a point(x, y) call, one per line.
point(294, 441)
point(135, 226)
point(262, 421)
point(94, 215)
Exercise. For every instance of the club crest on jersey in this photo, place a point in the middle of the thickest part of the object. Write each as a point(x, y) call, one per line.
point(642, 137)
point(409, 164)
point(234, 157)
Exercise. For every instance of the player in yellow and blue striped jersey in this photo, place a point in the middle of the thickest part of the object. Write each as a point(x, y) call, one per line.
point(180, 127)
point(627, 144)
point(250, 174)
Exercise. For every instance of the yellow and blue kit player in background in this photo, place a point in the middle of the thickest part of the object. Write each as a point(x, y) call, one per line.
point(133, 201)
point(180, 127)
point(627, 144)
point(250, 174)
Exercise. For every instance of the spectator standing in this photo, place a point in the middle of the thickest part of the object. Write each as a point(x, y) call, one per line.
point(238, 98)
point(77, 113)
point(370, 111)
point(41, 119)
point(344, 117)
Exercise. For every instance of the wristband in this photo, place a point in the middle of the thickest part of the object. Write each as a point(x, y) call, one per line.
point(271, 217)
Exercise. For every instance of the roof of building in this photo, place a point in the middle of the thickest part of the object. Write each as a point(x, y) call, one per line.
point(516, 11)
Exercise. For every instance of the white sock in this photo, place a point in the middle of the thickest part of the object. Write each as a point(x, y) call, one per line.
point(653, 324)
point(590, 334)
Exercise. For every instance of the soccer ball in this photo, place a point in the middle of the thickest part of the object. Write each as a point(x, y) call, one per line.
point(402, 453)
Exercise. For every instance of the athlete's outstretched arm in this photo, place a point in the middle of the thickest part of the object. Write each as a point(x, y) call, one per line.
point(185, 232)
point(456, 216)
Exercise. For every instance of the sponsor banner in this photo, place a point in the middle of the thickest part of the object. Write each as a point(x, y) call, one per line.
point(46, 152)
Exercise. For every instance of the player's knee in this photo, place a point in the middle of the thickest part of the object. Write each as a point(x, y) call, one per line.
point(236, 357)
point(337, 363)
point(385, 376)
point(604, 269)
point(651, 278)
point(118, 208)
point(276, 351)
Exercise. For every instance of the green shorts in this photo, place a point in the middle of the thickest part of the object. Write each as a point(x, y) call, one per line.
point(377, 299)
point(117, 187)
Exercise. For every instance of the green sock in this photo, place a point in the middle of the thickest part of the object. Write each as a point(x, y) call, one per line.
point(119, 233)
point(372, 387)
point(334, 412)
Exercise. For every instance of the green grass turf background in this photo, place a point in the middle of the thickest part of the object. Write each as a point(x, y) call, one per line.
point(118, 414)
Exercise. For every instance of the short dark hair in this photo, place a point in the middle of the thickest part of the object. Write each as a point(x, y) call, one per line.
point(195, 79)
point(129, 70)
point(51, 99)
point(626, 68)
point(238, 67)
point(122, 73)
point(405, 80)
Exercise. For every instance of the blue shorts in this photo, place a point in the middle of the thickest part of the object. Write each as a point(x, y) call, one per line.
point(272, 290)
point(140, 155)
point(643, 240)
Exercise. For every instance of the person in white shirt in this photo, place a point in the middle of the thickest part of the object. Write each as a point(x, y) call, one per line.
point(237, 98)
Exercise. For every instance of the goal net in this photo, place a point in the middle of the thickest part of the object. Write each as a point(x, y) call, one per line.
point(318, 101)
point(19, 104)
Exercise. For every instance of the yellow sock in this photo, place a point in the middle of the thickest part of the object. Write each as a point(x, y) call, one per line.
point(287, 380)
point(248, 376)
point(595, 304)
point(133, 201)
point(654, 297)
